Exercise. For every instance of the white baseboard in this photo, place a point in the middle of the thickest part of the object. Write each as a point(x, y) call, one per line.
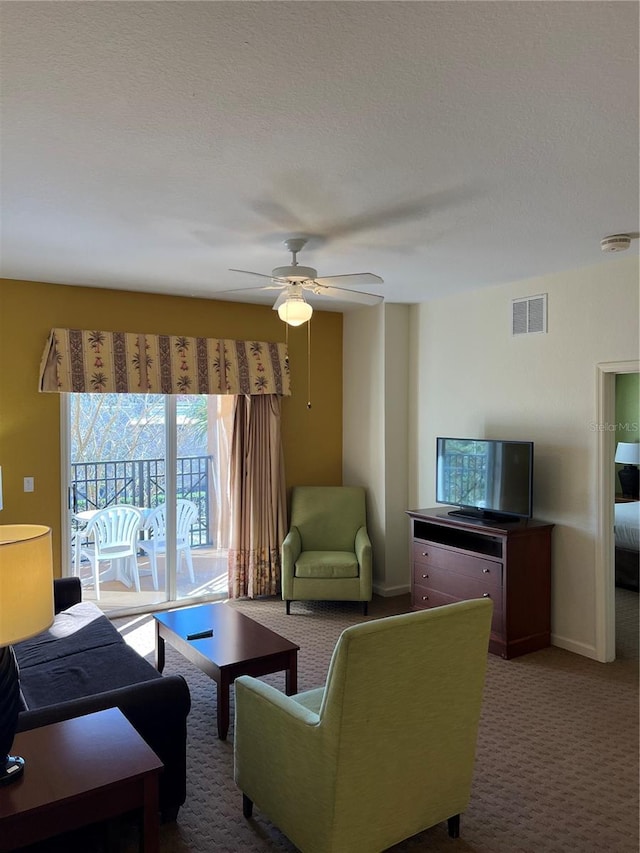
point(390, 591)
point(575, 647)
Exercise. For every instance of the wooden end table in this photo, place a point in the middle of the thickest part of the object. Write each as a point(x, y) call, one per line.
point(78, 772)
point(237, 645)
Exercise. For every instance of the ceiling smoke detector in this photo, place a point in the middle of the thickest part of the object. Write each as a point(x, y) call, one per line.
point(615, 243)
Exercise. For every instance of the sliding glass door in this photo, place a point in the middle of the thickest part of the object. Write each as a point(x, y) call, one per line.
point(166, 457)
point(202, 480)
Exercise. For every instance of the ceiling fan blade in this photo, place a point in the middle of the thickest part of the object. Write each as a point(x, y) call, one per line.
point(257, 287)
point(348, 295)
point(350, 279)
point(396, 214)
point(248, 272)
point(261, 275)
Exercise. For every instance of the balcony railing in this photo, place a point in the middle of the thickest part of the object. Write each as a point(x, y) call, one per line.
point(141, 482)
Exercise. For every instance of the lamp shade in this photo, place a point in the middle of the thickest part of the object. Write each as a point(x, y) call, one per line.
point(26, 581)
point(628, 453)
point(295, 311)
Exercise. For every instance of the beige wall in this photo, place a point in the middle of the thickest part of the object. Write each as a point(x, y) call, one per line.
point(375, 432)
point(363, 425)
point(396, 409)
point(471, 378)
point(30, 421)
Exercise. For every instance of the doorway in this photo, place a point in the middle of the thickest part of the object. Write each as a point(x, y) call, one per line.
point(606, 488)
point(167, 457)
point(626, 514)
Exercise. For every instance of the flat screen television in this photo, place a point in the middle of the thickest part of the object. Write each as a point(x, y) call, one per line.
point(486, 478)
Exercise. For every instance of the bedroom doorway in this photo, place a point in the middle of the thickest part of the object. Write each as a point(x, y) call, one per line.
point(626, 531)
point(608, 484)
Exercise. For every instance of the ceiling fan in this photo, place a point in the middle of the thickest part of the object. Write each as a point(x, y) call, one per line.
point(293, 280)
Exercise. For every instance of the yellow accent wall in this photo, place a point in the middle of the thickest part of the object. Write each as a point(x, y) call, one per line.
point(30, 421)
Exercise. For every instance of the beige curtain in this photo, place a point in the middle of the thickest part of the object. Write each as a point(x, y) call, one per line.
point(97, 362)
point(258, 497)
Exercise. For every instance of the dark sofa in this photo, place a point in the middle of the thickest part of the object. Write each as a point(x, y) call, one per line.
point(93, 668)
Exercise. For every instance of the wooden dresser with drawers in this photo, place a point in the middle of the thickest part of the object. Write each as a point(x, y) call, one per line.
point(456, 558)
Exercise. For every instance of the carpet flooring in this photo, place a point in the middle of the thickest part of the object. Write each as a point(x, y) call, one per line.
point(557, 756)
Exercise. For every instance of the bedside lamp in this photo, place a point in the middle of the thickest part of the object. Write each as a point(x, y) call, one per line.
point(628, 453)
point(26, 609)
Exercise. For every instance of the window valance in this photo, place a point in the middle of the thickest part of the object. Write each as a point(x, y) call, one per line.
point(129, 363)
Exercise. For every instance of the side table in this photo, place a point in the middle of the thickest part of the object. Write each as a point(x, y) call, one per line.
point(77, 772)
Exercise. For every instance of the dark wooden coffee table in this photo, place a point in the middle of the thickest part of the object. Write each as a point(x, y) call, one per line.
point(238, 646)
point(77, 772)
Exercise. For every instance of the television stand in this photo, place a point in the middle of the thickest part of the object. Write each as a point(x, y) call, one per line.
point(456, 558)
point(481, 515)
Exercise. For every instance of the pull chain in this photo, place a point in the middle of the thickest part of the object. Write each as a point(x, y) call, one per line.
point(308, 364)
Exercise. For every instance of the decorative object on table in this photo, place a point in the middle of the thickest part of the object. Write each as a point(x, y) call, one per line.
point(293, 280)
point(26, 609)
point(628, 454)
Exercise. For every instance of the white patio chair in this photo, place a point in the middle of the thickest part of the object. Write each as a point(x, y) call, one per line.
point(112, 534)
point(156, 525)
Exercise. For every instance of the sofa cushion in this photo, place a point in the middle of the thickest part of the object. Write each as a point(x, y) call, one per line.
point(84, 673)
point(81, 654)
point(73, 618)
point(60, 641)
point(327, 564)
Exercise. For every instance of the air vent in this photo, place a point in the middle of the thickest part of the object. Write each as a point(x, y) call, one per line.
point(529, 315)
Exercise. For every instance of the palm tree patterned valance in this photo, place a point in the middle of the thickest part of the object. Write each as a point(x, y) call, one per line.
point(128, 363)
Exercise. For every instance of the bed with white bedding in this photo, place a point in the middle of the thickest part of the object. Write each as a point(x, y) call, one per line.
point(626, 530)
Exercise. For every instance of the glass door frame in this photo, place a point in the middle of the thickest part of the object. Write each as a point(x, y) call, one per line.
point(170, 450)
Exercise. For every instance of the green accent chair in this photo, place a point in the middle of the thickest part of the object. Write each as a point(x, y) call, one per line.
point(385, 749)
point(326, 555)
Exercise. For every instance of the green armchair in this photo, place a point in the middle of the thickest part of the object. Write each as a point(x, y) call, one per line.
point(385, 749)
point(326, 555)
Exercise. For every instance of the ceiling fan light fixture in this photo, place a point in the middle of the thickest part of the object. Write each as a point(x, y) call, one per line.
point(295, 311)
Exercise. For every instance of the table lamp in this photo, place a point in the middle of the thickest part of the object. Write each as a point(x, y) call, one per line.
point(26, 609)
point(628, 453)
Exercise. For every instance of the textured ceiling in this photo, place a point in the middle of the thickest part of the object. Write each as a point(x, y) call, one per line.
point(443, 146)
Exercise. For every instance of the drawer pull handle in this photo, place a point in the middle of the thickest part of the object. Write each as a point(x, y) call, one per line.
point(425, 576)
point(425, 553)
point(486, 595)
point(486, 571)
point(425, 598)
